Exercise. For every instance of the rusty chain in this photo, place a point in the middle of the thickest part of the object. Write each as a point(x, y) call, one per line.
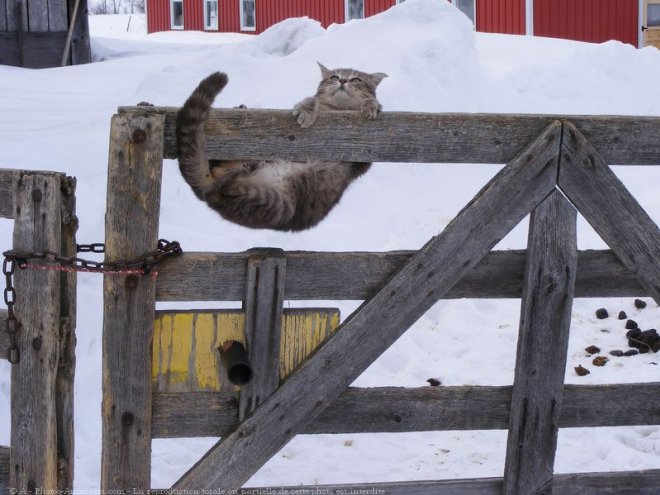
point(142, 265)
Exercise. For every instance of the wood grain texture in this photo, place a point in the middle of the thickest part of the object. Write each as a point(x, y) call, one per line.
point(4, 336)
point(427, 276)
point(264, 298)
point(545, 319)
point(37, 227)
point(8, 179)
point(612, 211)
point(67, 339)
point(37, 12)
point(407, 137)
point(396, 410)
point(58, 17)
point(3, 15)
point(4, 465)
point(620, 483)
point(134, 175)
point(359, 275)
point(81, 52)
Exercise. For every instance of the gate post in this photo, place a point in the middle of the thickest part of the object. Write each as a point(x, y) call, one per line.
point(41, 455)
point(133, 206)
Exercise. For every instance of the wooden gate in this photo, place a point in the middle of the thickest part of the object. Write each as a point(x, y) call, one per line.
point(42, 205)
point(553, 166)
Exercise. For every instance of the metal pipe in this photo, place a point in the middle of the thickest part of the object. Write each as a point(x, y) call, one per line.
point(236, 362)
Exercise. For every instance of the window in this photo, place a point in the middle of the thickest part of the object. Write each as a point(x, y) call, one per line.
point(211, 15)
point(399, 1)
point(653, 15)
point(248, 22)
point(354, 9)
point(176, 10)
point(467, 7)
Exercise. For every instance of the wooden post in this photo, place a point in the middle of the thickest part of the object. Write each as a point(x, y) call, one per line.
point(4, 470)
point(264, 297)
point(34, 432)
point(425, 278)
point(67, 359)
point(133, 206)
point(545, 319)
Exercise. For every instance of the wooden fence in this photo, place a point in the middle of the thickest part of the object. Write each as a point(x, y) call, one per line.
point(550, 160)
point(42, 205)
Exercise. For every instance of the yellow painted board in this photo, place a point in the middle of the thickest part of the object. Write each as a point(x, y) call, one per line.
point(185, 346)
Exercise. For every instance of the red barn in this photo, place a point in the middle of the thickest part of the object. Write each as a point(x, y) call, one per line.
point(636, 22)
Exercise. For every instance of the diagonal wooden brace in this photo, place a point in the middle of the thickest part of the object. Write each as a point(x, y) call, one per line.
point(612, 211)
point(379, 322)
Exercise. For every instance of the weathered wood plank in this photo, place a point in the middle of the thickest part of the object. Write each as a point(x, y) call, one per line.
point(132, 212)
point(359, 275)
point(8, 179)
point(545, 319)
point(406, 137)
point(3, 15)
point(397, 410)
point(67, 359)
point(81, 52)
point(619, 483)
point(58, 17)
point(33, 50)
point(611, 210)
point(4, 336)
point(427, 276)
point(37, 13)
point(264, 297)
point(4, 465)
point(37, 227)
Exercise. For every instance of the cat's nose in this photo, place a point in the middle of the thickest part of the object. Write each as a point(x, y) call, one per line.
point(343, 81)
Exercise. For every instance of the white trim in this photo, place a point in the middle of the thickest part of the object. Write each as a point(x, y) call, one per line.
point(529, 17)
point(217, 13)
point(242, 15)
point(183, 23)
point(640, 23)
point(347, 9)
point(474, 10)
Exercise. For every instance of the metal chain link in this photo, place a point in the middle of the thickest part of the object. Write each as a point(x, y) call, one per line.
point(142, 265)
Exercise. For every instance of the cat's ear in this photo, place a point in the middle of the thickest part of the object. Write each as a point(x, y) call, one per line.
point(325, 72)
point(378, 77)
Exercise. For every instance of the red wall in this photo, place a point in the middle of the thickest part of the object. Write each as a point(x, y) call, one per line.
point(373, 7)
point(158, 15)
point(193, 15)
point(269, 12)
point(587, 20)
point(501, 16)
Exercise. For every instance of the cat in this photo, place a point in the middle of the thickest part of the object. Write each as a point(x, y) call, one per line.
point(279, 195)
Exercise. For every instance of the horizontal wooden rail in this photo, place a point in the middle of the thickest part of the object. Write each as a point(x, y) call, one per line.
point(408, 137)
point(619, 483)
point(394, 409)
point(356, 275)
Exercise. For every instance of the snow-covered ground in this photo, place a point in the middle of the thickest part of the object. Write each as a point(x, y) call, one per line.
point(59, 119)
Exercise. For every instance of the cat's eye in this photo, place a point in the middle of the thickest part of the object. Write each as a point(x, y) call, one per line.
point(334, 78)
point(356, 80)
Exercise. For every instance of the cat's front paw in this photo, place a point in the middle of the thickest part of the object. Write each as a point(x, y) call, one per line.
point(370, 109)
point(305, 112)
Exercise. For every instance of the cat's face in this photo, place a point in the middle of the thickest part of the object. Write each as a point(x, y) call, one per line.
point(347, 88)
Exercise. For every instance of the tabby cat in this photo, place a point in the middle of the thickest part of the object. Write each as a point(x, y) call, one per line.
point(279, 194)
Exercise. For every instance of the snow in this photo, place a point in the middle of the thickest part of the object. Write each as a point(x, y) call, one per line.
point(59, 119)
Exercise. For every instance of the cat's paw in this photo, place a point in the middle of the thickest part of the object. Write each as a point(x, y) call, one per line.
point(306, 112)
point(370, 109)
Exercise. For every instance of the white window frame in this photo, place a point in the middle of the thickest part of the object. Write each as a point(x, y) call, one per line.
point(474, 9)
point(242, 14)
point(347, 10)
point(206, 15)
point(172, 25)
point(399, 2)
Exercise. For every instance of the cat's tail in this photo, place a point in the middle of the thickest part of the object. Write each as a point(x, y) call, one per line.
point(191, 138)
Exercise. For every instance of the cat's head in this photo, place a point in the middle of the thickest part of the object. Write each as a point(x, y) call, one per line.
point(347, 88)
